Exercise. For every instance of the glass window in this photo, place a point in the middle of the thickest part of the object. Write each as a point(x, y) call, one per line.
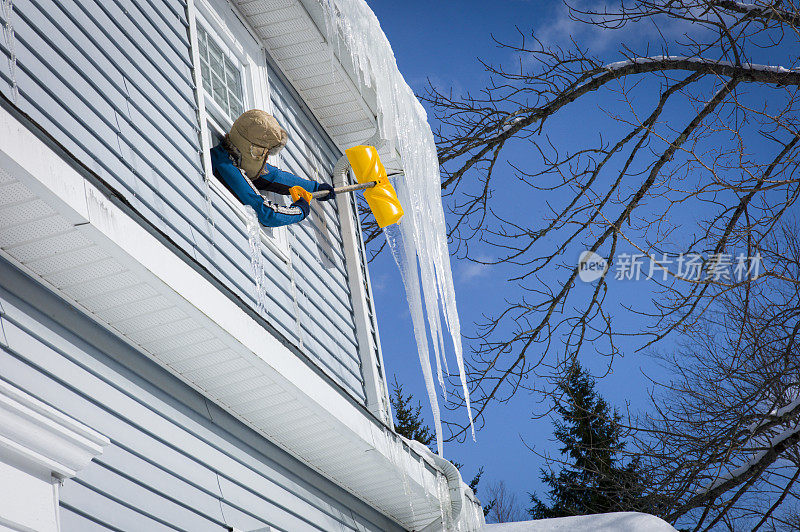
point(222, 79)
point(231, 80)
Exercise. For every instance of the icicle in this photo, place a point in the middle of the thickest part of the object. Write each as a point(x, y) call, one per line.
point(210, 225)
point(10, 37)
point(399, 247)
point(445, 504)
point(256, 258)
point(330, 35)
point(396, 454)
point(403, 122)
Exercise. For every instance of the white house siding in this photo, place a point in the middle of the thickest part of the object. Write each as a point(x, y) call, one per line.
point(326, 313)
point(176, 461)
point(112, 81)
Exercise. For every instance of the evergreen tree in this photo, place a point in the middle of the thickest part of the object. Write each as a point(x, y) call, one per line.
point(408, 418)
point(593, 479)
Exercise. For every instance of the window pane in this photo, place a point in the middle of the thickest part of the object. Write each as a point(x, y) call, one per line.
point(206, 73)
point(214, 133)
point(219, 93)
point(234, 79)
point(222, 77)
point(236, 108)
point(218, 70)
point(202, 42)
point(215, 52)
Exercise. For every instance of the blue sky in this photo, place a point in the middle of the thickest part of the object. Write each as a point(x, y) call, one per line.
point(440, 41)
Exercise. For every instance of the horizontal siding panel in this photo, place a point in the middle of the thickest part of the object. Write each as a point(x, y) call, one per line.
point(109, 513)
point(101, 53)
point(176, 7)
point(144, 17)
point(170, 15)
point(98, 153)
point(141, 471)
point(151, 62)
point(326, 315)
point(149, 502)
point(168, 462)
point(74, 519)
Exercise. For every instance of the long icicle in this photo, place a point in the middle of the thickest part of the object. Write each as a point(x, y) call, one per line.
point(408, 272)
point(256, 259)
point(403, 122)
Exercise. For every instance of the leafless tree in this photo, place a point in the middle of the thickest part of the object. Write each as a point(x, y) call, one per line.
point(696, 155)
point(722, 442)
point(506, 508)
point(697, 152)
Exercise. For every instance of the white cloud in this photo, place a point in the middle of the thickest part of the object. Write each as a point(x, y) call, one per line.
point(379, 282)
point(469, 271)
point(559, 29)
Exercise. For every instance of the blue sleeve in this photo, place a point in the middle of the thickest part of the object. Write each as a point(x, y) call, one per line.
point(269, 214)
point(280, 181)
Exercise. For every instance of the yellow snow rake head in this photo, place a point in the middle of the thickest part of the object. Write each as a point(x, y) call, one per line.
point(381, 197)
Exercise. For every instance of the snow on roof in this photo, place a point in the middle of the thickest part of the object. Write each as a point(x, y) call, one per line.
point(610, 522)
point(420, 241)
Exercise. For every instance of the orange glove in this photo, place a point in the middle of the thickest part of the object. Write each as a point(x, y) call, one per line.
point(298, 192)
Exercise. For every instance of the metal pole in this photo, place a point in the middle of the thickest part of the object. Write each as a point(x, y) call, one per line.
point(346, 188)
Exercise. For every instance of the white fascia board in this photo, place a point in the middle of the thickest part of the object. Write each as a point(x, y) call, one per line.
point(69, 195)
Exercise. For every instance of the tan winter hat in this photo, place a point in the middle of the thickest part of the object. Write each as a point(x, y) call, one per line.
point(257, 134)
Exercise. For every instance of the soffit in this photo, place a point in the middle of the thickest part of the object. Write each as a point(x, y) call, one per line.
point(290, 31)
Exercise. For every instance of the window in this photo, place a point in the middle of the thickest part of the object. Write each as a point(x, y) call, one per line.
point(233, 78)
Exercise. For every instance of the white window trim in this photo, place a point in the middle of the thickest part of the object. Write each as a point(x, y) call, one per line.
point(256, 95)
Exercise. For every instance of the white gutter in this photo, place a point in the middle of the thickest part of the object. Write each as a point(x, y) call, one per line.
point(454, 484)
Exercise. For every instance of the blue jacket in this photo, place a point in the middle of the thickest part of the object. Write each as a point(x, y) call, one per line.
point(272, 180)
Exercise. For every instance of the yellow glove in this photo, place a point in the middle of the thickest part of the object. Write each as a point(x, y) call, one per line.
point(298, 192)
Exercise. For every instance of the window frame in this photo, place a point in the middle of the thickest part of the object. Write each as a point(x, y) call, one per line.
point(246, 52)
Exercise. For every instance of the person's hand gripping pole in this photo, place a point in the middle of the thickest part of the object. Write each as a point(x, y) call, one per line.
point(298, 192)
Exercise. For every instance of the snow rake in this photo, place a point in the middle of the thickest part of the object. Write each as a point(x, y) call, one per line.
point(372, 179)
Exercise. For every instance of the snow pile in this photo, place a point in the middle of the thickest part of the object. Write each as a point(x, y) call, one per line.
point(610, 522)
point(420, 243)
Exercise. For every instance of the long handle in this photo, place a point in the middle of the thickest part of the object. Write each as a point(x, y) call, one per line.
point(346, 188)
